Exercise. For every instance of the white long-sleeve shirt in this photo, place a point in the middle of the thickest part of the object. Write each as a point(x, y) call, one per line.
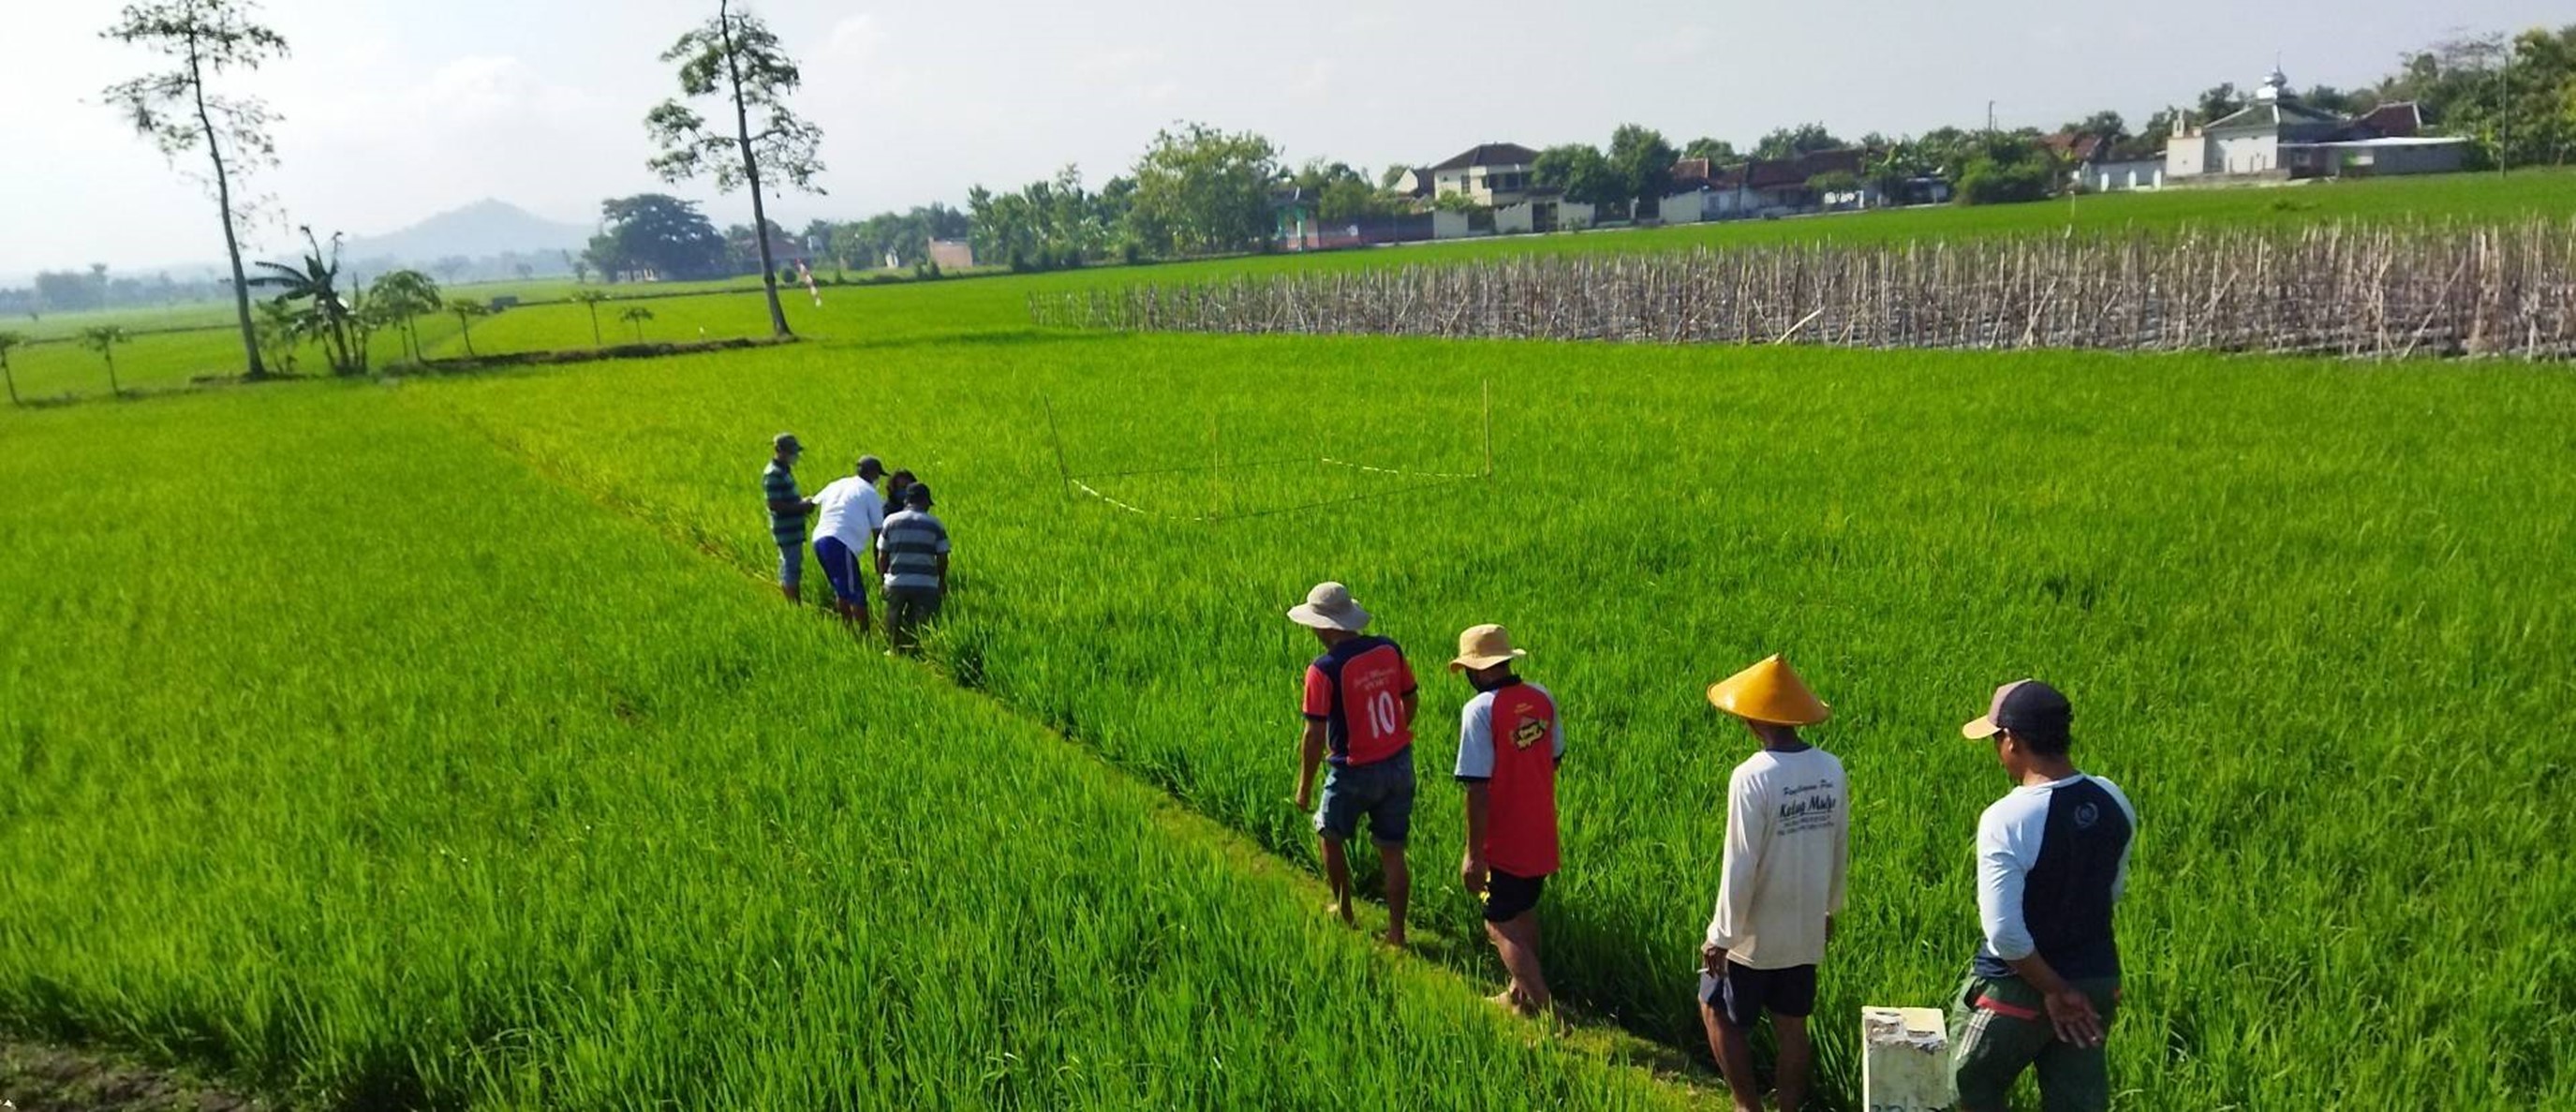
point(1788, 850)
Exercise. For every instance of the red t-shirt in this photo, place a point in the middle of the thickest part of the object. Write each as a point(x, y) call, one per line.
point(1357, 690)
point(1509, 739)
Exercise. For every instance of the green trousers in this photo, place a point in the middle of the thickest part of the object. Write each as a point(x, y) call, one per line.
point(1999, 1027)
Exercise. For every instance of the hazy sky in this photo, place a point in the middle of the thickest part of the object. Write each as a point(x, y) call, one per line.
point(395, 111)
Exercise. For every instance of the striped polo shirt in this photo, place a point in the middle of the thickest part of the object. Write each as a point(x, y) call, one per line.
point(778, 484)
point(913, 541)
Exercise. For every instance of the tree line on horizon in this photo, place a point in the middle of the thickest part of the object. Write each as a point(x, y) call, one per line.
point(1197, 190)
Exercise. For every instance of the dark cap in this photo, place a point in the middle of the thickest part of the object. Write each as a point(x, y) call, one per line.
point(2029, 709)
point(870, 463)
point(918, 494)
point(786, 442)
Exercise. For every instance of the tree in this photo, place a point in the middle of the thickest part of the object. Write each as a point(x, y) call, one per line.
point(1201, 190)
point(2219, 100)
point(1352, 199)
point(103, 340)
point(1581, 172)
point(2105, 125)
point(1790, 142)
point(636, 315)
point(579, 266)
point(2006, 167)
point(327, 314)
point(404, 296)
point(590, 300)
point(735, 55)
point(1392, 175)
point(1716, 151)
point(1644, 163)
point(466, 309)
point(450, 267)
point(657, 235)
point(205, 39)
point(281, 331)
point(10, 340)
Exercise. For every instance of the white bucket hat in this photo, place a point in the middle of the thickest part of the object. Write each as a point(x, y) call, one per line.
point(1329, 606)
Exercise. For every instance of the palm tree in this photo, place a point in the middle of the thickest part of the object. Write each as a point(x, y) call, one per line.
point(590, 300)
point(9, 340)
point(466, 309)
point(406, 295)
point(318, 282)
point(636, 316)
point(103, 340)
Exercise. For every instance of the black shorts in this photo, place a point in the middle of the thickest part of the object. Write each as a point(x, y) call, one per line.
point(1744, 993)
point(1508, 897)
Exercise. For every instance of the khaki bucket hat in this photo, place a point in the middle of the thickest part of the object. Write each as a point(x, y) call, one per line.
point(1329, 606)
point(1485, 646)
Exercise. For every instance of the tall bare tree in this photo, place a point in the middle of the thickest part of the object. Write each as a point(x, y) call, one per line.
point(177, 110)
point(736, 57)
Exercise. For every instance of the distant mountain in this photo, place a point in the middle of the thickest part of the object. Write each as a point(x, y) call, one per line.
point(479, 230)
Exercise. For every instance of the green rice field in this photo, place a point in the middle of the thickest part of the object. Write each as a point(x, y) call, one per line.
point(437, 741)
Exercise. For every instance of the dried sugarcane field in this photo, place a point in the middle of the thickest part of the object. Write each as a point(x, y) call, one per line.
point(422, 739)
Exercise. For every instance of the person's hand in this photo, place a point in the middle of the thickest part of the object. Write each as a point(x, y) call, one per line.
point(1471, 872)
point(1829, 928)
point(2071, 1013)
point(1712, 959)
point(1305, 795)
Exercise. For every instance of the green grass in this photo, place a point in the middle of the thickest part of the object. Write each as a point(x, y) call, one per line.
point(2314, 617)
point(352, 777)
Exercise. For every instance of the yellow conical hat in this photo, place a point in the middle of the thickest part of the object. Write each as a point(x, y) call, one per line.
point(1769, 692)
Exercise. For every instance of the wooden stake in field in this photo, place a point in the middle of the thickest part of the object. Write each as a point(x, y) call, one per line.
point(1063, 474)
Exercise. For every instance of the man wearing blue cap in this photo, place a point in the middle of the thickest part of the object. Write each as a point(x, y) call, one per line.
point(2052, 857)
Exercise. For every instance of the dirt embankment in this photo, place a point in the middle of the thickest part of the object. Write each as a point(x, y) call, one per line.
point(55, 1079)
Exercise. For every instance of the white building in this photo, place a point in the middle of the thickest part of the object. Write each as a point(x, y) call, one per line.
point(2280, 138)
point(1494, 174)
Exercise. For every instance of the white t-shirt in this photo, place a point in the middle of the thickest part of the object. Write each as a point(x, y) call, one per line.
point(849, 508)
point(1788, 843)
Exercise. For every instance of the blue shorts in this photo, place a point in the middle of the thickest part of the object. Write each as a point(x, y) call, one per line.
point(1383, 791)
point(841, 567)
point(791, 565)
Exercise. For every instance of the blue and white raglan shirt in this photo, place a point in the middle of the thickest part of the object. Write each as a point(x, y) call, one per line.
point(2052, 859)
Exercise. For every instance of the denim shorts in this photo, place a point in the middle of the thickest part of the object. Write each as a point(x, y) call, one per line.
point(791, 565)
point(1383, 791)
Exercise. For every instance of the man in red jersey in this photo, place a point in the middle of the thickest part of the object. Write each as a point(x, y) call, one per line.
point(1509, 744)
point(1359, 704)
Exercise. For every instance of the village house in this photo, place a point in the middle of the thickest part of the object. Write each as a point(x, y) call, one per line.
point(1495, 174)
point(2097, 164)
point(2278, 137)
point(1765, 187)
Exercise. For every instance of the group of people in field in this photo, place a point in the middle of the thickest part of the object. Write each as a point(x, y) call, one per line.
point(907, 547)
point(2052, 855)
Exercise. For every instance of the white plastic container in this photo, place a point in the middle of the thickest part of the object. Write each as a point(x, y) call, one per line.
point(1904, 1060)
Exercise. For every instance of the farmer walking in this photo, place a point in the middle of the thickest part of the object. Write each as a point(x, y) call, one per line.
point(1509, 744)
point(1359, 704)
point(1788, 838)
point(787, 511)
point(848, 514)
point(2052, 858)
point(912, 555)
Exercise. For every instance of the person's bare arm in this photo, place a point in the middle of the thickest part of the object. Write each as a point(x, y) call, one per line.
point(943, 571)
point(2069, 1010)
point(1412, 703)
point(1309, 754)
point(1471, 865)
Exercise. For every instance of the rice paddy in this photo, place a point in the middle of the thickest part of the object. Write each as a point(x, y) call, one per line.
point(439, 743)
